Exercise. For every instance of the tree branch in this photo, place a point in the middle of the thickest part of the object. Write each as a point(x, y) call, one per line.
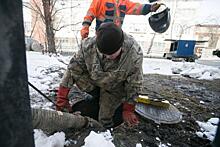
point(39, 10)
point(35, 22)
point(63, 9)
point(35, 8)
point(66, 26)
point(52, 7)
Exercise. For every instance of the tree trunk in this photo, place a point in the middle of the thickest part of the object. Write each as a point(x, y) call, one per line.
point(49, 26)
point(151, 43)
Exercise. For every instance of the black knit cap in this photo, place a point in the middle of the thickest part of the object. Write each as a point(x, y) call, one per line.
point(109, 38)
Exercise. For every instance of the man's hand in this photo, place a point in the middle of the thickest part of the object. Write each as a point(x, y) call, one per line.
point(62, 101)
point(154, 7)
point(128, 114)
point(84, 31)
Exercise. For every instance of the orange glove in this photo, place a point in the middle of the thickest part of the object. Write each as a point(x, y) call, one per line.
point(128, 114)
point(62, 101)
point(84, 32)
point(154, 7)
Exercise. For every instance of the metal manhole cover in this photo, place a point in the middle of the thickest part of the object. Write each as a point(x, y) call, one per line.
point(170, 115)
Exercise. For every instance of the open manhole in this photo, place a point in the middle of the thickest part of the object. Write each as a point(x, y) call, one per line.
point(88, 104)
point(90, 108)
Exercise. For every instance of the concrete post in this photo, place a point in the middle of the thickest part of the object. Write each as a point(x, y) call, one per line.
point(15, 112)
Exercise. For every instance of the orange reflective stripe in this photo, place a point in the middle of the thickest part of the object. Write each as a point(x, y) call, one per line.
point(92, 12)
point(133, 8)
point(112, 10)
point(89, 17)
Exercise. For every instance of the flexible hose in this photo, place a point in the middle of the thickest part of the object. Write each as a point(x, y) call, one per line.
point(53, 121)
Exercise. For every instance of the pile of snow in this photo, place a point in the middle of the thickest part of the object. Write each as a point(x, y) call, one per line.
point(168, 67)
point(99, 139)
point(42, 140)
point(208, 129)
point(195, 70)
point(58, 139)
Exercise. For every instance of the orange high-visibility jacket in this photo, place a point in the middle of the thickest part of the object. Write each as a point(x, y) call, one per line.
point(113, 11)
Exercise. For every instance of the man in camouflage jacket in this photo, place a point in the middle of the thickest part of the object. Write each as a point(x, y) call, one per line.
point(112, 61)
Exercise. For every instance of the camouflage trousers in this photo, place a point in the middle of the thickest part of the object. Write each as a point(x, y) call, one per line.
point(108, 102)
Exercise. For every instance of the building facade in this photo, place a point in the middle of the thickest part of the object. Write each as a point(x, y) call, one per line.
point(210, 33)
point(184, 25)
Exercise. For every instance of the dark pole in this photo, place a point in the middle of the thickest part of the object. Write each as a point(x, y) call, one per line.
point(15, 112)
point(35, 88)
point(216, 142)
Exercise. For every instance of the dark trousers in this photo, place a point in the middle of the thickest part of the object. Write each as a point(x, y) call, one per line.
point(91, 108)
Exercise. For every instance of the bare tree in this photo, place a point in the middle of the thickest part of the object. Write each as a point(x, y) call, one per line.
point(48, 6)
point(33, 25)
point(47, 12)
point(183, 28)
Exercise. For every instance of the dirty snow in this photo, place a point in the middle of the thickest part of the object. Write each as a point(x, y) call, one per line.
point(44, 73)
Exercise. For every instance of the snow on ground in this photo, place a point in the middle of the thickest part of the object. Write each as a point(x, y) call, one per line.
point(94, 139)
point(42, 140)
point(102, 139)
point(208, 129)
point(45, 73)
point(38, 66)
point(190, 69)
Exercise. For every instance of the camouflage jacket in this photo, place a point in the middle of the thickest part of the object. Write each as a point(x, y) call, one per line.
point(125, 72)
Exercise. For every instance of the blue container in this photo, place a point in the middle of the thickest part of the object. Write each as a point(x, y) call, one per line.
point(185, 48)
point(182, 49)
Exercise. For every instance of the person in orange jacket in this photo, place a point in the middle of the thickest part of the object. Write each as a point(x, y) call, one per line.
point(113, 11)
